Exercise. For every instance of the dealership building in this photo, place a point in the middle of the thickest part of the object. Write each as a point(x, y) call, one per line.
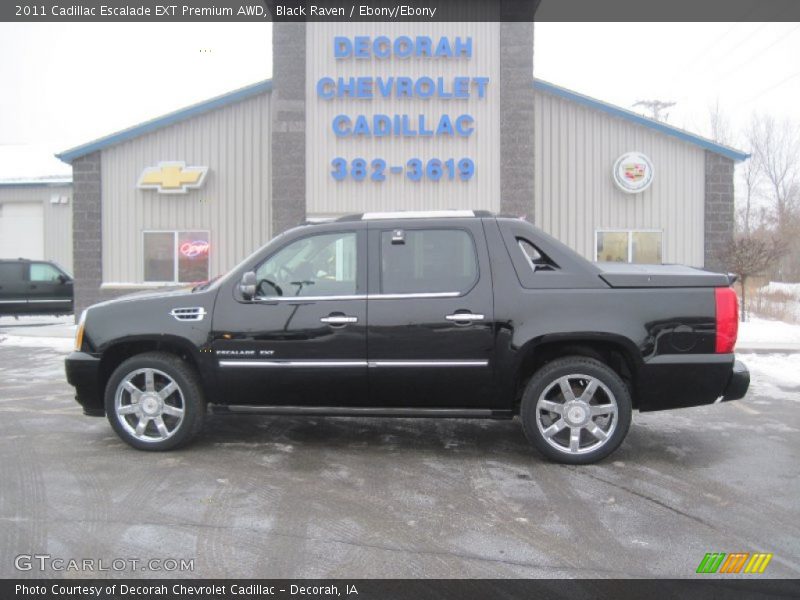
point(386, 116)
point(36, 220)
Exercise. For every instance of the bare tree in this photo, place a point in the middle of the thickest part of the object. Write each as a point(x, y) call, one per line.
point(776, 149)
point(655, 107)
point(752, 254)
point(751, 176)
point(720, 124)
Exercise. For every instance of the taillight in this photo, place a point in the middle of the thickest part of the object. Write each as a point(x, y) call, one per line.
point(727, 319)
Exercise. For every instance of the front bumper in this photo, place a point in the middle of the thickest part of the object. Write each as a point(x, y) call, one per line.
point(738, 384)
point(83, 372)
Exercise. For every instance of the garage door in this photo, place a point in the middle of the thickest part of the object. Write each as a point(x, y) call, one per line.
point(21, 230)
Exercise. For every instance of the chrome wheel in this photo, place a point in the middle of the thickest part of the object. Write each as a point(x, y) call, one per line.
point(576, 414)
point(149, 405)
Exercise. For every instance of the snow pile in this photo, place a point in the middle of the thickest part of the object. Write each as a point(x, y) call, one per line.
point(793, 289)
point(764, 331)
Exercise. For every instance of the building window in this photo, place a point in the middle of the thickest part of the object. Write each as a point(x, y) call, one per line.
point(642, 247)
point(427, 261)
point(175, 256)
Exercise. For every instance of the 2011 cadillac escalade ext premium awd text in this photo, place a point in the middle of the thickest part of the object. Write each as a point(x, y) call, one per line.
point(448, 314)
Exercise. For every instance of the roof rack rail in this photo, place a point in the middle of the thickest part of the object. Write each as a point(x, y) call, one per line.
point(417, 214)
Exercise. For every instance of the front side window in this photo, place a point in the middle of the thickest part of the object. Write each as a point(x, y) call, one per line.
point(176, 256)
point(427, 261)
point(44, 273)
point(643, 247)
point(318, 265)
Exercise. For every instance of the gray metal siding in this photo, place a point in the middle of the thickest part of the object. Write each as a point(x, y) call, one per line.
point(327, 197)
point(233, 204)
point(576, 148)
point(57, 218)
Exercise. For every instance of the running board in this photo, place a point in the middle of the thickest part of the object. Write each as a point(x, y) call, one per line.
point(356, 411)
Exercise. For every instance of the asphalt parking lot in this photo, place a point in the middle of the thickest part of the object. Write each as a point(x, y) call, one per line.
point(318, 498)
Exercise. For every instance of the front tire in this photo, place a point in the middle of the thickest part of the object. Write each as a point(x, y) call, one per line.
point(576, 410)
point(154, 401)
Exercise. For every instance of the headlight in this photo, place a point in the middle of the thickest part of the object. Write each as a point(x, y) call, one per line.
point(79, 332)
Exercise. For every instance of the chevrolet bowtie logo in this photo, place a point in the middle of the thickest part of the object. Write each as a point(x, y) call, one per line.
point(172, 177)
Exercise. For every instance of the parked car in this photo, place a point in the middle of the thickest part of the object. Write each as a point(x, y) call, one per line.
point(34, 287)
point(443, 314)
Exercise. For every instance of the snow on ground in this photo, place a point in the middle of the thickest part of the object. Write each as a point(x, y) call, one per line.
point(772, 376)
point(39, 326)
point(58, 344)
point(782, 369)
point(761, 330)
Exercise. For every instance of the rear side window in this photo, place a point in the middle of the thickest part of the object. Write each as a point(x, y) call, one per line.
point(536, 259)
point(10, 272)
point(427, 261)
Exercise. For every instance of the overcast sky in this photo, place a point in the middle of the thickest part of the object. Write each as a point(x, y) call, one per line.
point(66, 84)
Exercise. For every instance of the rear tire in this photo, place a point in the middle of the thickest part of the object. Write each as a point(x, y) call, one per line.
point(576, 410)
point(154, 401)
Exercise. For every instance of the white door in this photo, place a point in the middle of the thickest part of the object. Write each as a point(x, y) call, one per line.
point(21, 230)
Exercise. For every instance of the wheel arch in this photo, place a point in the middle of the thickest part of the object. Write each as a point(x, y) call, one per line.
point(119, 351)
point(616, 351)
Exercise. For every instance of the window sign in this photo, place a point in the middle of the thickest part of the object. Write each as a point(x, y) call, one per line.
point(175, 256)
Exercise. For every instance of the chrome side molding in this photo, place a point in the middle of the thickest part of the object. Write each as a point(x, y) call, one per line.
point(373, 364)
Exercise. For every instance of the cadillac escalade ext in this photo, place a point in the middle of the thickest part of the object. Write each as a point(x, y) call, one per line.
point(442, 314)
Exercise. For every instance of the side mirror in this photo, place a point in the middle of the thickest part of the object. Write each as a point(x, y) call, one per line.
point(63, 278)
point(247, 286)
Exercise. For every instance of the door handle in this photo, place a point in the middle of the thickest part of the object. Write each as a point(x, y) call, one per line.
point(464, 317)
point(339, 319)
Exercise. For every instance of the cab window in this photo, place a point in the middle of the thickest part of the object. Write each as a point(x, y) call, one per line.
point(427, 261)
point(43, 272)
point(318, 265)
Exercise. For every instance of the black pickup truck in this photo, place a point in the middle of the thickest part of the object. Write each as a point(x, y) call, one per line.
point(443, 314)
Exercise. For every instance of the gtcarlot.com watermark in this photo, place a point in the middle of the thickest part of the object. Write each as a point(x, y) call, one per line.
point(48, 562)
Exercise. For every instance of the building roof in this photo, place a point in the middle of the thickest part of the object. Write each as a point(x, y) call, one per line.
point(46, 180)
point(266, 86)
point(169, 119)
point(616, 111)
